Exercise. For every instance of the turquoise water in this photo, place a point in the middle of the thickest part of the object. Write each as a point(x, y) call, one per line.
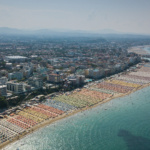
point(121, 124)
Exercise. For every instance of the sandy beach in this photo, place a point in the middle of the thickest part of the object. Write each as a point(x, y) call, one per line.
point(50, 121)
point(72, 112)
point(139, 50)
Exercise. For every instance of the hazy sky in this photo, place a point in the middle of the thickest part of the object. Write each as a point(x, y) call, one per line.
point(121, 15)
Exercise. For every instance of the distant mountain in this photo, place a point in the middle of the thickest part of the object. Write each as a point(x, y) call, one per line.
point(46, 32)
point(67, 33)
point(11, 31)
point(108, 31)
point(6, 30)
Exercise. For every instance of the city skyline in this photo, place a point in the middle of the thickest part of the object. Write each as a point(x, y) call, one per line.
point(128, 16)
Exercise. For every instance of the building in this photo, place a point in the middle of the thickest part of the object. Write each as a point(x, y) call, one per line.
point(3, 90)
point(35, 82)
point(16, 87)
point(118, 67)
point(15, 75)
point(15, 58)
point(41, 70)
point(86, 72)
point(27, 70)
point(55, 78)
point(3, 80)
point(72, 69)
point(9, 65)
point(27, 88)
point(76, 79)
point(108, 71)
point(94, 73)
point(26, 73)
point(80, 79)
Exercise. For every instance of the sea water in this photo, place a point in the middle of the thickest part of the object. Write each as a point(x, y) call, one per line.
point(120, 124)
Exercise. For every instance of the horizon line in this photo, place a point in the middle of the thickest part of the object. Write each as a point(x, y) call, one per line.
point(110, 31)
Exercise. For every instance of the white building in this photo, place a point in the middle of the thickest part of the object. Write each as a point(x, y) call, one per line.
point(3, 90)
point(16, 87)
point(9, 65)
point(3, 80)
point(35, 82)
point(15, 58)
point(27, 69)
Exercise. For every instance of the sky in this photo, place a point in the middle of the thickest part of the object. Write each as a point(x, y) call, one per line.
point(129, 16)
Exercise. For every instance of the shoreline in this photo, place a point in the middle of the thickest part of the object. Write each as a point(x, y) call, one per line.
point(73, 112)
point(139, 50)
point(50, 121)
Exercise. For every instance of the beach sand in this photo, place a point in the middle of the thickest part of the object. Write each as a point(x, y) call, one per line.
point(139, 50)
point(50, 121)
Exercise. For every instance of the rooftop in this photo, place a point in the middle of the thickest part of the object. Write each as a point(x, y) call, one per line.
point(16, 57)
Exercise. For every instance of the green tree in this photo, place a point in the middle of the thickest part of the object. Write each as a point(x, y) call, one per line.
point(3, 102)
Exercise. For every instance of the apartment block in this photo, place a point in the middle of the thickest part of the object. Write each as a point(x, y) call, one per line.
point(3, 90)
point(16, 87)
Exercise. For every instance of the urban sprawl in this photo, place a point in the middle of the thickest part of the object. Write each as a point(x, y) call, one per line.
point(42, 79)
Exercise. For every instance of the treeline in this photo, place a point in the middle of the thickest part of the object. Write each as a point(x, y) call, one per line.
point(4, 103)
point(18, 99)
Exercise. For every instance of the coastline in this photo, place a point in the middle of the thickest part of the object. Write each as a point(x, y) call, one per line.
point(139, 50)
point(50, 121)
point(72, 112)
